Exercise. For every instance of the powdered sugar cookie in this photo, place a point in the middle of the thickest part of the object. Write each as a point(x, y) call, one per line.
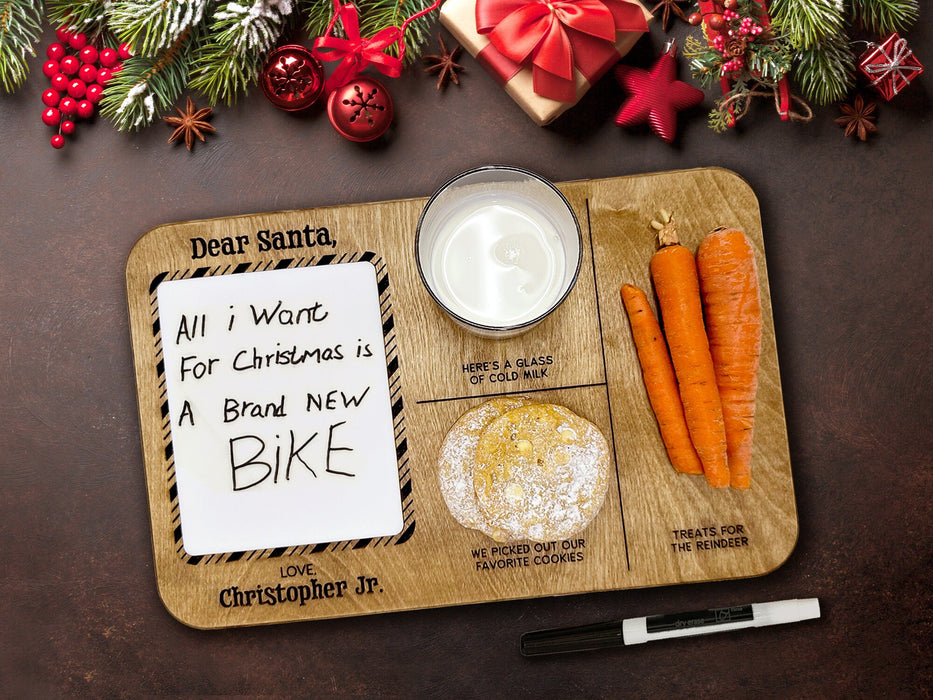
point(541, 473)
point(455, 463)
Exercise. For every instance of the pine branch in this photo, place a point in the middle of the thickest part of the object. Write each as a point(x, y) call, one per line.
point(240, 39)
point(146, 86)
point(806, 23)
point(20, 26)
point(152, 25)
point(885, 16)
point(87, 16)
point(826, 71)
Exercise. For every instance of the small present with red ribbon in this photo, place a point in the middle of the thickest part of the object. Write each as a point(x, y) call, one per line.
point(546, 53)
point(890, 67)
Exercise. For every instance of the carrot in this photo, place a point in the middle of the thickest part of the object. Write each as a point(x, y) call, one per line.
point(660, 381)
point(674, 272)
point(729, 289)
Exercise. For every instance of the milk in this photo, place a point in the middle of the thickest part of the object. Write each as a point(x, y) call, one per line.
point(498, 260)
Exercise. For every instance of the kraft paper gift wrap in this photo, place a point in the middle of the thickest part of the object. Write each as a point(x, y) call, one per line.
point(579, 48)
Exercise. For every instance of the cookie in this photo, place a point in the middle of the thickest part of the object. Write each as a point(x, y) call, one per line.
point(541, 473)
point(456, 459)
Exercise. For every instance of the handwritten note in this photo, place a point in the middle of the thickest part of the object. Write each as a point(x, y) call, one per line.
point(280, 411)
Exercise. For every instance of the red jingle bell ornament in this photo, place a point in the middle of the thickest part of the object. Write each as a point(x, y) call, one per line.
point(292, 79)
point(361, 110)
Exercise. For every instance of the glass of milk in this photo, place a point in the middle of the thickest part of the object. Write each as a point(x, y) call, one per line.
point(498, 248)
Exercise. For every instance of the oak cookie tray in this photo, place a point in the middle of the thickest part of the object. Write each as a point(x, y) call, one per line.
point(273, 350)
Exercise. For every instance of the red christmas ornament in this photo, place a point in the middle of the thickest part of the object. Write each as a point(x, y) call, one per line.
point(361, 110)
point(890, 66)
point(292, 79)
point(656, 95)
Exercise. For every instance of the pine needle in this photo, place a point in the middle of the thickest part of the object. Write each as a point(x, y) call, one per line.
point(20, 26)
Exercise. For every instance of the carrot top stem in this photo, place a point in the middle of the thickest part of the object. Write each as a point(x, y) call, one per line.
point(664, 225)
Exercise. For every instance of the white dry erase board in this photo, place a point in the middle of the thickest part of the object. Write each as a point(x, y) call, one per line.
point(295, 383)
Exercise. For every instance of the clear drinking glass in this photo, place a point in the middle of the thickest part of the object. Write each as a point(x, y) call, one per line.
point(499, 249)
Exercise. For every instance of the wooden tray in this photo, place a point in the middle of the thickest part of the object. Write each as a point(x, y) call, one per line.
point(656, 527)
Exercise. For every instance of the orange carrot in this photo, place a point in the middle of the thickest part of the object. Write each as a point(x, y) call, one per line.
point(674, 272)
point(729, 288)
point(660, 381)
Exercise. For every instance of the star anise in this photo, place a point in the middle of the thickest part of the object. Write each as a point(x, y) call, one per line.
point(858, 118)
point(670, 7)
point(189, 123)
point(444, 64)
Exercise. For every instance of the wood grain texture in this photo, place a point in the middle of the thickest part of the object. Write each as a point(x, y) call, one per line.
point(641, 537)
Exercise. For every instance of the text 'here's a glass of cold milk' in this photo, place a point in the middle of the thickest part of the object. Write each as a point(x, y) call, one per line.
point(498, 248)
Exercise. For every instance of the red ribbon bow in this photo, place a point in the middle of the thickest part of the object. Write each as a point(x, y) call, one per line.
point(355, 52)
point(558, 36)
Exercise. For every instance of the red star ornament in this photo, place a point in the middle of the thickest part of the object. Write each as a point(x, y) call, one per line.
point(656, 95)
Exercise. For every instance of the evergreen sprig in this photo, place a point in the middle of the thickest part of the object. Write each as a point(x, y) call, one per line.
point(20, 26)
point(826, 71)
point(885, 16)
point(152, 25)
point(86, 16)
point(148, 85)
point(807, 23)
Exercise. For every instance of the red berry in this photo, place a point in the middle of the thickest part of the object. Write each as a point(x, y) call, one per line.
point(94, 93)
point(103, 76)
point(88, 73)
point(88, 54)
point(59, 82)
point(50, 98)
point(124, 51)
point(51, 117)
point(715, 22)
point(108, 57)
point(77, 89)
point(85, 109)
point(58, 141)
point(70, 65)
point(62, 34)
point(68, 105)
point(78, 41)
point(55, 51)
point(50, 68)
point(67, 127)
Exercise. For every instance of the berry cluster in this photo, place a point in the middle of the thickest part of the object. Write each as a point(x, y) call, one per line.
point(77, 72)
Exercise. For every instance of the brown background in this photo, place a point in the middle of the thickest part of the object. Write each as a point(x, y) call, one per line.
point(848, 240)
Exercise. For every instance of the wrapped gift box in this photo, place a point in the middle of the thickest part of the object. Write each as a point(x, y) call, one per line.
point(543, 96)
point(891, 66)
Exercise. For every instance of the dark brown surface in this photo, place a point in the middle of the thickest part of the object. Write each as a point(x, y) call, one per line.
point(848, 239)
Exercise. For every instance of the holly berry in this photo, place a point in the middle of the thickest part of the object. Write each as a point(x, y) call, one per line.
point(67, 127)
point(85, 109)
point(55, 51)
point(59, 82)
point(70, 65)
point(94, 93)
point(62, 34)
point(88, 73)
point(51, 117)
point(58, 141)
point(124, 51)
point(68, 105)
point(88, 54)
point(78, 41)
point(103, 76)
point(50, 68)
point(50, 98)
point(108, 57)
point(77, 89)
